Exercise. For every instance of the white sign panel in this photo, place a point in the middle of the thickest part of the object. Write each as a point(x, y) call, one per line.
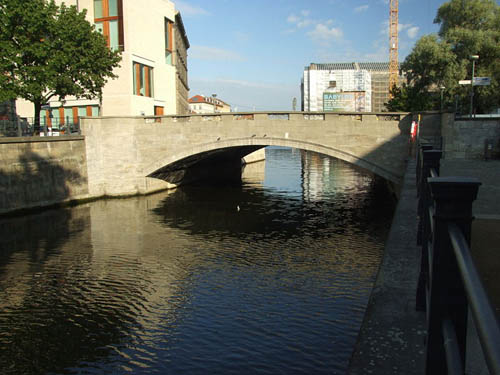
point(478, 81)
point(482, 81)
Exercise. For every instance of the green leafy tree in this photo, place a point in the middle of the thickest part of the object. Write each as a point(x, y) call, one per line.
point(51, 51)
point(467, 27)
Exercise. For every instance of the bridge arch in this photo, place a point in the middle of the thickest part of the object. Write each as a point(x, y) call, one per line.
point(185, 157)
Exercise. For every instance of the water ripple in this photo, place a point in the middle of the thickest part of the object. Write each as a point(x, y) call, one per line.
point(184, 282)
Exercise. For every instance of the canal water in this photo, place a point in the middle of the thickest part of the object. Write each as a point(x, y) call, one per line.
point(269, 276)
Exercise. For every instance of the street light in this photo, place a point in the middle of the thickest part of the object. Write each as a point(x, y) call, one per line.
point(473, 58)
point(442, 89)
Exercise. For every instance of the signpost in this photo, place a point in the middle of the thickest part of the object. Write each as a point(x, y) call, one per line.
point(482, 81)
point(478, 81)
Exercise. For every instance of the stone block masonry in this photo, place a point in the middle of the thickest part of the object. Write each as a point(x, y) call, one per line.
point(478, 138)
point(124, 156)
point(37, 172)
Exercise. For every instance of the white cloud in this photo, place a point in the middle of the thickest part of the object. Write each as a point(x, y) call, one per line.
point(323, 34)
point(213, 54)
point(190, 10)
point(292, 18)
point(412, 32)
point(300, 21)
point(362, 8)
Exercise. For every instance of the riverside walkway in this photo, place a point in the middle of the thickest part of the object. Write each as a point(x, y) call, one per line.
point(391, 339)
point(392, 336)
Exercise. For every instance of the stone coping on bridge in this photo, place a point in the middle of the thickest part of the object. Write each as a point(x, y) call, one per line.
point(35, 139)
point(284, 115)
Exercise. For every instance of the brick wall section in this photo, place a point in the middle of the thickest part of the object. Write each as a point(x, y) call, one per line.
point(39, 171)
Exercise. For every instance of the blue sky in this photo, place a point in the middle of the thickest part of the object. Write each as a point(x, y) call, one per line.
point(252, 53)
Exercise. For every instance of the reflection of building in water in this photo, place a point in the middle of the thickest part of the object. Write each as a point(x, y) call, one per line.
point(320, 177)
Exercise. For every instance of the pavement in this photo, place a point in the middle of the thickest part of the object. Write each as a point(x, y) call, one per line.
point(391, 339)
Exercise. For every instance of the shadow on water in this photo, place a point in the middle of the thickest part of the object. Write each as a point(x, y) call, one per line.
point(48, 321)
point(241, 210)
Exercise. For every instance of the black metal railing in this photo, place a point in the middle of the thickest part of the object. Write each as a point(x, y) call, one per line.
point(449, 285)
point(26, 127)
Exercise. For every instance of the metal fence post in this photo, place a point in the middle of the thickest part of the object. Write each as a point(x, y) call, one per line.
point(453, 198)
point(18, 126)
point(422, 147)
point(430, 160)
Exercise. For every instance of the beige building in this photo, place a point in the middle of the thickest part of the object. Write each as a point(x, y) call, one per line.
point(152, 76)
point(208, 104)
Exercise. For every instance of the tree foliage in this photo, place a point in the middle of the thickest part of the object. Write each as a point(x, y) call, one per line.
point(51, 51)
point(467, 27)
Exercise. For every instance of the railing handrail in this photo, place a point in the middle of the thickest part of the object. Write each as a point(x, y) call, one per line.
point(21, 127)
point(482, 311)
point(449, 285)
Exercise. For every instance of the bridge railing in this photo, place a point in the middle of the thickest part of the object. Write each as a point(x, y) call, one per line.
point(278, 115)
point(449, 285)
point(26, 127)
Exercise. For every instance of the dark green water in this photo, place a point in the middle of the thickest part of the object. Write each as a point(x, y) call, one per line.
point(268, 277)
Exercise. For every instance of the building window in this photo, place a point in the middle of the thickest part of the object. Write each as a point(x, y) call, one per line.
point(143, 79)
point(168, 41)
point(108, 19)
point(66, 116)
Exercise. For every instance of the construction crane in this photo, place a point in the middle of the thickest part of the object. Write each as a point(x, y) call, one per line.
point(393, 45)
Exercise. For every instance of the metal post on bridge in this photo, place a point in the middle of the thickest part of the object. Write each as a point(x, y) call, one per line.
point(18, 126)
point(430, 160)
point(422, 147)
point(448, 307)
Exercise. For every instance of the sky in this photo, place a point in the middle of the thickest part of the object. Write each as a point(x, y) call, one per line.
point(252, 54)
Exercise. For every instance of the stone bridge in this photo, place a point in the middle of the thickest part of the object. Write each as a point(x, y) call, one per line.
point(130, 155)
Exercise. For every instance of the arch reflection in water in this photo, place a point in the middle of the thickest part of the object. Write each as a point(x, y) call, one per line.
point(184, 282)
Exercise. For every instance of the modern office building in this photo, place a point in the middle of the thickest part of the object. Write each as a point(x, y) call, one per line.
point(208, 104)
point(345, 87)
point(152, 76)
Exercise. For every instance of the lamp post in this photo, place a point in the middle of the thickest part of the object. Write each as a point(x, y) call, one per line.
point(473, 58)
point(442, 90)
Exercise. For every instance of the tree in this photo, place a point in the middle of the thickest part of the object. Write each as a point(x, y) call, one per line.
point(467, 27)
point(51, 51)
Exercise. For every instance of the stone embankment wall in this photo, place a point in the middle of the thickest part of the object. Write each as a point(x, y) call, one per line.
point(477, 138)
point(36, 172)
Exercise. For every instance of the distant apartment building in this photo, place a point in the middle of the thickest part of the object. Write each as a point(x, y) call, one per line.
point(207, 104)
point(345, 87)
point(152, 76)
